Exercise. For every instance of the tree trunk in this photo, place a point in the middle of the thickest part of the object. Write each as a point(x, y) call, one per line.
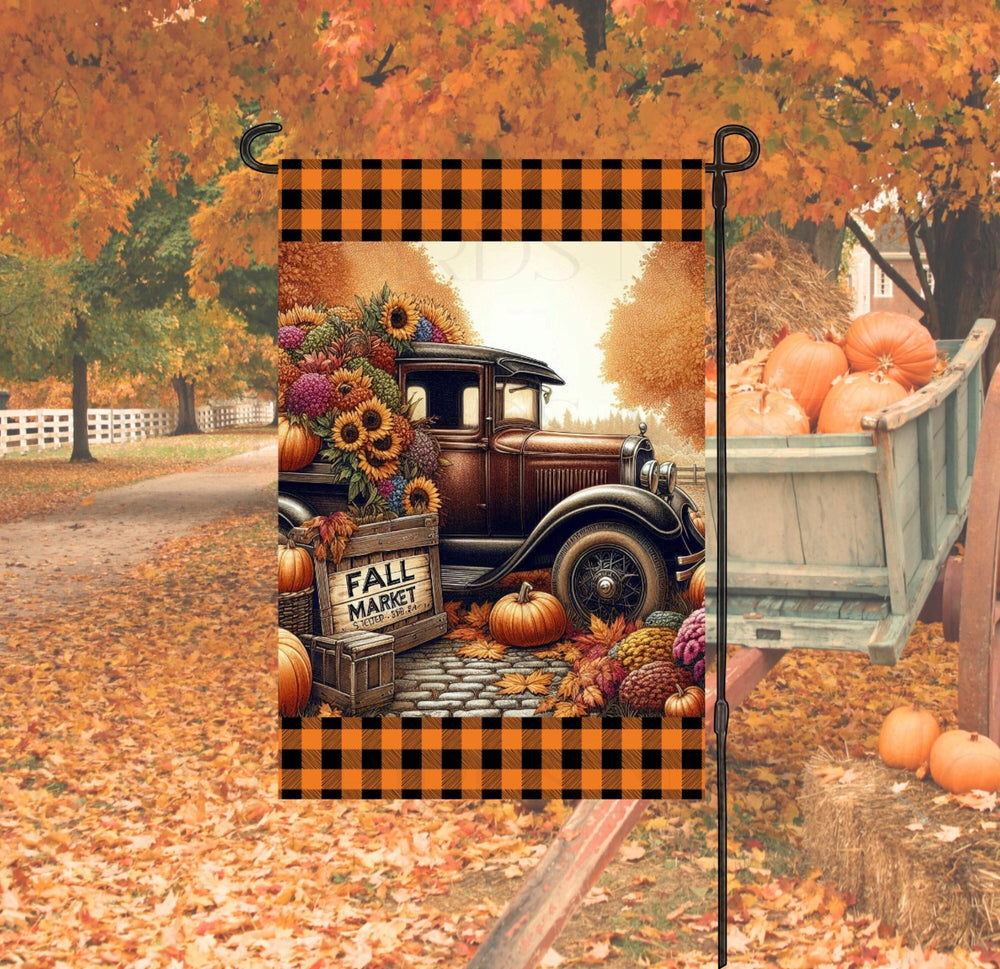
point(824, 240)
point(81, 432)
point(187, 420)
point(591, 14)
point(963, 253)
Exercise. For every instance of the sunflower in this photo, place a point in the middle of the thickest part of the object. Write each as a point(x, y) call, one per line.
point(305, 317)
point(348, 434)
point(438, 316)
point(421, 497)
point(383, 445)
point(400, 317)
point(374, 416)
point(377, 468)
point(351, 388)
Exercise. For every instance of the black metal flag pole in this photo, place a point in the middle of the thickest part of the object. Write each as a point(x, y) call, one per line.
point(719, 168)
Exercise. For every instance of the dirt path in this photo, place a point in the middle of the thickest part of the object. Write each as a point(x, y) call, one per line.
point(89, 546)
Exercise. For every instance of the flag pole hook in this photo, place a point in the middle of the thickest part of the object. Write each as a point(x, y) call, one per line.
point(248, 137)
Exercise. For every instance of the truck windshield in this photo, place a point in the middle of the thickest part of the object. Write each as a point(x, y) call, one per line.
point(517, 401)
point(450, 396)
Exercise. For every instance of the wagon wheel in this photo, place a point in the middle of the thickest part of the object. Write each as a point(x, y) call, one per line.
point(979, 630)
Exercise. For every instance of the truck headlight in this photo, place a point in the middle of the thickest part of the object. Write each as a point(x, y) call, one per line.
point(667, 479)
point(649, 477)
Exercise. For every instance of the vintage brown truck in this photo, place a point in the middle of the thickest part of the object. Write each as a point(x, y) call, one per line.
point(599, 509)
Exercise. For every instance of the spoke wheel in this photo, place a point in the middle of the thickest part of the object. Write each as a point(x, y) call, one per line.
point(979, 624)
point(608, 570)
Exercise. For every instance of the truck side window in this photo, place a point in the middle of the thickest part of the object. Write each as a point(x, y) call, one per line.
point(450, 396)
point(517, 401)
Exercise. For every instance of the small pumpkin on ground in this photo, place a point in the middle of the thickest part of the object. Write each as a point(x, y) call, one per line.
point(696, 587)
point(527, 618)
point(294, 674)
point(295, 567)
point(686, 702)
point(962, 761)
point(907, 735)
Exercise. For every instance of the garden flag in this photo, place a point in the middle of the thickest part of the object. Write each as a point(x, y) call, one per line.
point(491, 569)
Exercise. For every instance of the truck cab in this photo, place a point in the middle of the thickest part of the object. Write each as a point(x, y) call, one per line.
point(600, 510)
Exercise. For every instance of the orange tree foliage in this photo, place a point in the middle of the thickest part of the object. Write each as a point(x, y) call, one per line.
point(851, 101)
point(654, 344)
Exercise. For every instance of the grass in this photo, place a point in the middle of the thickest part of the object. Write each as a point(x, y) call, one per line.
point(39, 480)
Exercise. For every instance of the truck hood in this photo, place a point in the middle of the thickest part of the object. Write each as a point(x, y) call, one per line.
point(554, 443)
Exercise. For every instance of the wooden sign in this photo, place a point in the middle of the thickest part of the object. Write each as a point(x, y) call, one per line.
point(381, 593)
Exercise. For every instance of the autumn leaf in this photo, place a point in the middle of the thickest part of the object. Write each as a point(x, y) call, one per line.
point(536, 682)
point(479, 615)
point(483, 649)
point(453, 610)
point(565, 708)
point(468, 633)
point(592, 698)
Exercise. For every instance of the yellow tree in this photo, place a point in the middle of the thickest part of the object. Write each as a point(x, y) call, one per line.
point(654, 343)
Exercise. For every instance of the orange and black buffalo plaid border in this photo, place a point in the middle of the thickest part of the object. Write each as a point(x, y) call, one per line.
point(331, 200)
point(645, 200)
point(491, 757)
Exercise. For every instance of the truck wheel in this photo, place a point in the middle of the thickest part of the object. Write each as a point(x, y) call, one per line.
point(609, 570)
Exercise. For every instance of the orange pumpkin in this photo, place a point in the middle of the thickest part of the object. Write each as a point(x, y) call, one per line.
point(696, 587)
point(297, 445)
point(906, 737)
point(294, 675)
point(295, 567)
point(962, 761)
point(852, 397)
point(698, 520)
point(896, 344)
point(766, 411)
point(527, 618)
point(686, 702)
point(806, 367)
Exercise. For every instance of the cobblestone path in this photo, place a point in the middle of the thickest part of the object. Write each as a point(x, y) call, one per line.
point(432, 680)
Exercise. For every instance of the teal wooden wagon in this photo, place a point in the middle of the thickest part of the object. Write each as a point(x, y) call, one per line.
point(837, 541)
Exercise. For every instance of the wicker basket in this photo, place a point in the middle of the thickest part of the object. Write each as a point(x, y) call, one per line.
point(295, 611)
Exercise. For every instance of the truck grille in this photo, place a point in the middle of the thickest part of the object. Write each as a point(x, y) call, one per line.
point(554, 484)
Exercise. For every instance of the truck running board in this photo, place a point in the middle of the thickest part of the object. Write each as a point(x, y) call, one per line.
point(457, 578)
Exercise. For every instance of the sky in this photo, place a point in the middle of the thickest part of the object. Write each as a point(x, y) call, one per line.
point(546, 300)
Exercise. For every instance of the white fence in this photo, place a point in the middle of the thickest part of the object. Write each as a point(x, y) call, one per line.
point(693, 474)
point(21, 430)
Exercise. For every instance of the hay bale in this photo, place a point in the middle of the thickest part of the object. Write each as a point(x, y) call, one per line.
point(891, 850)
point(772, 282)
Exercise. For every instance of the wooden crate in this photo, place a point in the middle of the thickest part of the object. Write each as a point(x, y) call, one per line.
point(389, 581)
point(354, 671)
point(835, 540)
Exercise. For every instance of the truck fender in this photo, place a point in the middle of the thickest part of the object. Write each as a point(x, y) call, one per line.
point(293, 510)
point(611, 502)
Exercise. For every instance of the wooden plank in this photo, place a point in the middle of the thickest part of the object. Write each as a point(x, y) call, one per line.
point(744, 670)
point(891, 524)
point(843, 580)
point(841, 519)
point(530, 923)
point(800, 460)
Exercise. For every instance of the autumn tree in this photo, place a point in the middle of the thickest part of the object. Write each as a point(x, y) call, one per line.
point(654, 343)
point(333, 274)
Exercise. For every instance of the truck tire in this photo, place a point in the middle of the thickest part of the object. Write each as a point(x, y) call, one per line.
point(610, 570)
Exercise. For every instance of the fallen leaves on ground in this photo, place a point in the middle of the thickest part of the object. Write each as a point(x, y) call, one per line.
point(140, 824)
point(37, 482)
